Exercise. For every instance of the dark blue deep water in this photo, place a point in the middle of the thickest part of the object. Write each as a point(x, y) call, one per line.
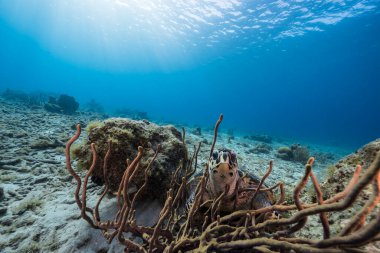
point(301, 69)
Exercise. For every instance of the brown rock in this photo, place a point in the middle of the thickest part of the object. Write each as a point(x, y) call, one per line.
point(126, 136)
point(339, 177)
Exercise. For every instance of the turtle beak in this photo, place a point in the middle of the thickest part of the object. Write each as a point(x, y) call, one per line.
point(223, 169)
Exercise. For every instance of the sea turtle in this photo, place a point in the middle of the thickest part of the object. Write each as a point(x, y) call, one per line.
point(224, 171)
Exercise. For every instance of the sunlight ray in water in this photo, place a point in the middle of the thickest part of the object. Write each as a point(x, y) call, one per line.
point(167, 33)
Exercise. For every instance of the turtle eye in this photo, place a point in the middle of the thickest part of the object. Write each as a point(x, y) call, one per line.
point(215, 155)
point(214, 171)
point(231, 174)
point(233, 156)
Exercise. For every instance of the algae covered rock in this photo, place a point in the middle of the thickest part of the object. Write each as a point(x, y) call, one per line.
point(65, 104)
point(341, 173)
point(126, 135)
point(295, 153)
point(68, 104)
point(284, 153)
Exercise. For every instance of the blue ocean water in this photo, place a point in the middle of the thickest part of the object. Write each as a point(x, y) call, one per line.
point(302, 69)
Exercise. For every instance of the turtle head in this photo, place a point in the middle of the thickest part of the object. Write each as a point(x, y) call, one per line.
point(223, 170)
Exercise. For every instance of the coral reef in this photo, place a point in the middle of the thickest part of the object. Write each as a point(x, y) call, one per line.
point(126, 136)
point(295, 152)
point(65, 104)
point(68, 104)
point(177, 231)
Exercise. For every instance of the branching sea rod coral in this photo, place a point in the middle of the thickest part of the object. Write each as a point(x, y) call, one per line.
point(179, 230)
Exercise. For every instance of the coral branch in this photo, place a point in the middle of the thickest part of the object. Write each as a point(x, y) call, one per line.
point(358, 221)
point(164, 213)
point(106, 181)
point(195, 157)
point(84, 190)
point(351, 184)
point(323, 215)
point(216, 133)
point(70, 169)
point(296, 195)
point(146, 172)
point(261, 183)
point(215, 206)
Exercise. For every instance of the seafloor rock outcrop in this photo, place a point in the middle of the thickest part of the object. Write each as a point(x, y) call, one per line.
point(295, 152)
point(339, 175)
point(65, 104)
point(337, 178)
point(126, 135)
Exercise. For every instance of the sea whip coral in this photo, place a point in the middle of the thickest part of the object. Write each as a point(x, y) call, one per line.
point(176, 230)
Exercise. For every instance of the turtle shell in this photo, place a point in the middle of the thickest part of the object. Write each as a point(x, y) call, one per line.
point(249, 180)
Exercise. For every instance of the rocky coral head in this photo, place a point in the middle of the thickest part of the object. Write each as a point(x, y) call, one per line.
point(126, 136)
point(223, 169)
point(68, 104)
